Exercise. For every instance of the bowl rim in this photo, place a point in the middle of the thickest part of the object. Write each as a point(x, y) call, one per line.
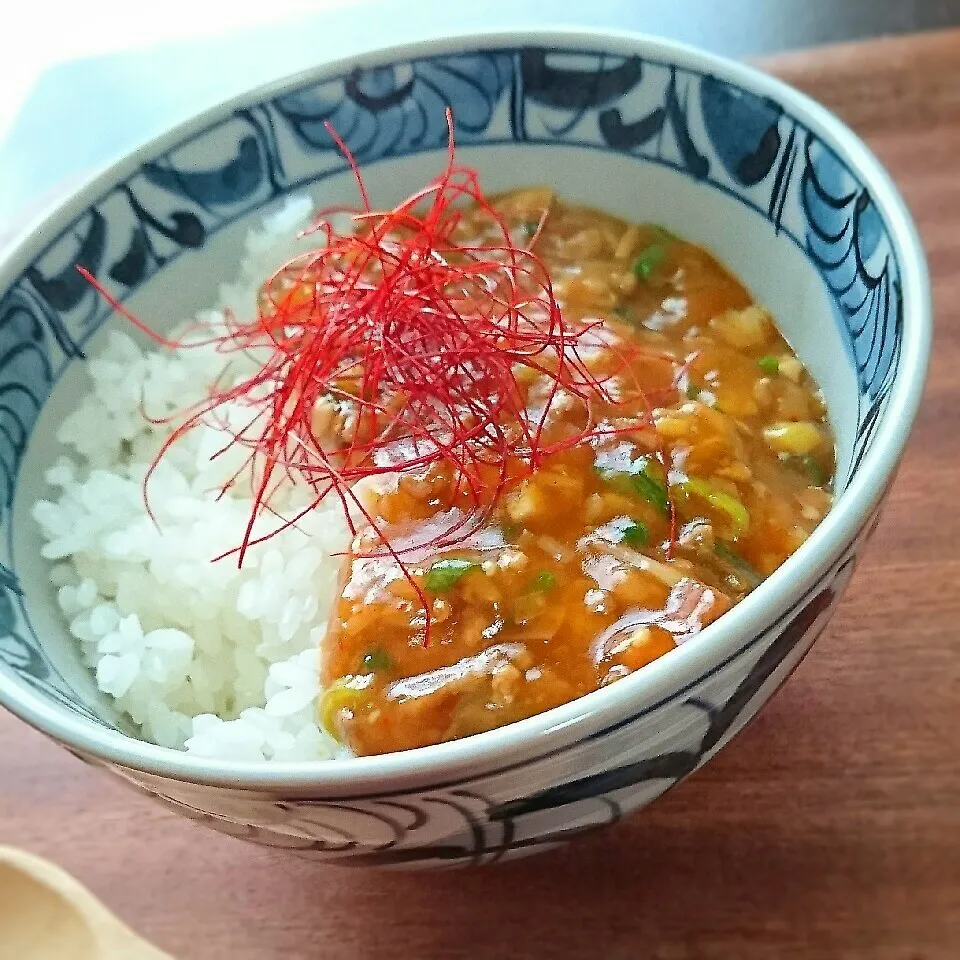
point(540, 736)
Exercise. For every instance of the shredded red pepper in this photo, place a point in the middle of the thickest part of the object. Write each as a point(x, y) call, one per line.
point(422, 338)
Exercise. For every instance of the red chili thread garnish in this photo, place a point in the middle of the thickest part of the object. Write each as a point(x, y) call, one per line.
point(420, 340)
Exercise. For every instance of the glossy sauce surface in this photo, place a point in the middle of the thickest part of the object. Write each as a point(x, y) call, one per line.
point(611, 553)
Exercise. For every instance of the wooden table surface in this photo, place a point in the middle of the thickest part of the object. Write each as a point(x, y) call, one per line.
point(830, 829)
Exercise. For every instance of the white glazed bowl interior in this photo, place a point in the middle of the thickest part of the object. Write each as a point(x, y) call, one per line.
point(784, 194)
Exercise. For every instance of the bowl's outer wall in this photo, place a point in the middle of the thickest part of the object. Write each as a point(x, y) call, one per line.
point(532, 806)
point(660, 108)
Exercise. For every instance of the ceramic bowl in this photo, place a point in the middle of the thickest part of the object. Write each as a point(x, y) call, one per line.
point(785, 194)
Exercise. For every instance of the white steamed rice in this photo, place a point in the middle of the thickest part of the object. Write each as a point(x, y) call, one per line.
point(220, 661)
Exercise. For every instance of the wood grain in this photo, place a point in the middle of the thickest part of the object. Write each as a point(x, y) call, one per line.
point(830, 829)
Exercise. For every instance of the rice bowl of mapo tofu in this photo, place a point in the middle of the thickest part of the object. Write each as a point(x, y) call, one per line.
point(458, 460)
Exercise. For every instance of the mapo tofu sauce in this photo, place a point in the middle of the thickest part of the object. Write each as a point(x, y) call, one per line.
point(612, 553)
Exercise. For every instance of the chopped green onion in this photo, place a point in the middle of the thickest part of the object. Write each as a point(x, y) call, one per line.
point(528, 606)
point(814, 470)
point(807, 465)
point(376, 660)
point(544, 581)
point(650, 488)
point(636, 535)
point(648, 261)
point(693, 391)
point(720, 500)
point(738, 564)
point(769, 364)
point(625, 313)
point(511, 532)
point(639, 479)
point(340, 695)
point(444, 574)
point(529, 227)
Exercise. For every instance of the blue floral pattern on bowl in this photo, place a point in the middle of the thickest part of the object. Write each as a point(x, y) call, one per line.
point(705, 128)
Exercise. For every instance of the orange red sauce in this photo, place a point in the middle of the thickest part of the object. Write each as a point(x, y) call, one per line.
point(611, 553)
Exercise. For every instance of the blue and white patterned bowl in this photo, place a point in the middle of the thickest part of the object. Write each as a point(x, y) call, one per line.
point(778, 187)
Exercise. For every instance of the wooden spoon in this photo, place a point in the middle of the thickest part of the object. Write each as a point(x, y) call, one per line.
point(47, 915)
